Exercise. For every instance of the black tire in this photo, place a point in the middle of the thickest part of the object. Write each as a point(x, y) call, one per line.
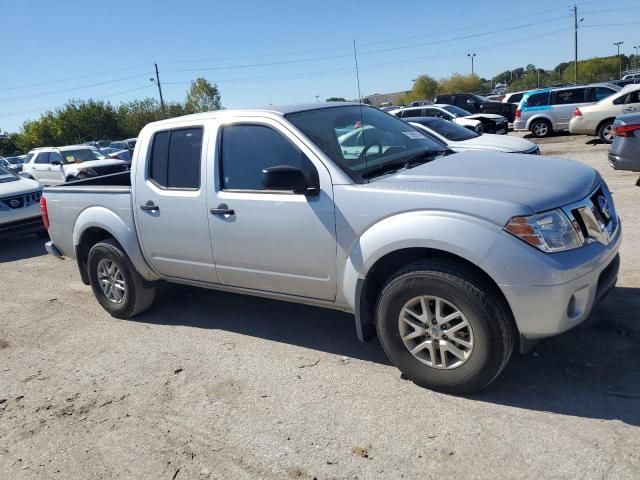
point(139, 294)
point(494, 332)
point(70, 179)
point(602, 131)
point(541, 128)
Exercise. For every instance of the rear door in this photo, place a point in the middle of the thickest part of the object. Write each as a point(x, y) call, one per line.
point(565, 103)
point(270, 240)
point(170, 203)
point(39, 167)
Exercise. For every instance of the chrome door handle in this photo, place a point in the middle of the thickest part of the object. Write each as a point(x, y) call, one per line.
point(222, 209)
point(149, 207)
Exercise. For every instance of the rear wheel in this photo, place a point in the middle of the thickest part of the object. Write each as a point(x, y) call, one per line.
point(541, 128)
point(115, 282)
point(443, 327)
point(605, 131)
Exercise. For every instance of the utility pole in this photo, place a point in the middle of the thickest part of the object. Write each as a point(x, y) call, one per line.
point(472, 56)
point(575, 42)
point(538, 84)
point(157, 81)
point(617, 44)
point(317, 98)
point(636, 59)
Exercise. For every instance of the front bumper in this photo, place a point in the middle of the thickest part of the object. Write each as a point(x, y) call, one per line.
point(543, 310)
point(23, 226)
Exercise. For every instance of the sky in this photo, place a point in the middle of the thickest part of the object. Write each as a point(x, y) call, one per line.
point(280, 51)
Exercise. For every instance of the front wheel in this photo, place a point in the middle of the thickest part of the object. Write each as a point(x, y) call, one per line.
point(115, 282)
point(443, 327)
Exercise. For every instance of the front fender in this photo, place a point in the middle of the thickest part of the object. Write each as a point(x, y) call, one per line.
point(105, 219)
point(467, 237)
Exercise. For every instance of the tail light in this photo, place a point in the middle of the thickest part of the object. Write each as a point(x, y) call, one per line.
point(45, 213)
point(518, 113)
point(577, 113)
point(625, 130)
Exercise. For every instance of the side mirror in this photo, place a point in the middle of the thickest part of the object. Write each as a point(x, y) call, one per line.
point(56, 161)
point(288, 178)
point(471, 101)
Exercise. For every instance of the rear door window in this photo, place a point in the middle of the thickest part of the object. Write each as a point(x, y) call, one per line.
point(43, 157)
point(567, 97)
point(175, 158)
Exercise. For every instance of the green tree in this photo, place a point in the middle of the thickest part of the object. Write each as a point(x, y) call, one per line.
point(460, 83)
point(336, 99)
point(134, 115)
point(202, 96)
point(9, 144)
point(424, 88)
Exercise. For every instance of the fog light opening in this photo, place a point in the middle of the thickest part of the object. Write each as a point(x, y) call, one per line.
point(571, 306)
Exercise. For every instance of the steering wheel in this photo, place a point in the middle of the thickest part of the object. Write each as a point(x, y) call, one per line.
point(368, 147)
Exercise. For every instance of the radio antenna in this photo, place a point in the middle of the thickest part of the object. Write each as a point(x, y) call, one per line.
point(355, 56)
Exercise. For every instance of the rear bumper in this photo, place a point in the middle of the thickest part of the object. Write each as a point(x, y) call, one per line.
point(21, 227)
point(619, 162)
point(53, 250)
point(520, 126)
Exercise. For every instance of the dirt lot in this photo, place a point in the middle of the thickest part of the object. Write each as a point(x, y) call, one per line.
point(216, 385)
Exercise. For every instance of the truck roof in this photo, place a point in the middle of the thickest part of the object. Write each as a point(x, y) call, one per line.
point(271, 109)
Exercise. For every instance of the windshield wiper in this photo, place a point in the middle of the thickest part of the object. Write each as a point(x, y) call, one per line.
point(403, 163)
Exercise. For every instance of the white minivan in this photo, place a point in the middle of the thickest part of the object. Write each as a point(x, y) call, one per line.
point(57, 165)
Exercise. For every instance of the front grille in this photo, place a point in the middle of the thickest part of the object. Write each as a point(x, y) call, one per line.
point(595, 218)
point(21, 201)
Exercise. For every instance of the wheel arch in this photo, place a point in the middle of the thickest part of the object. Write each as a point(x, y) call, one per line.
point(396, 242)
point(609, 119)
point(97, 223)
point(539, 116)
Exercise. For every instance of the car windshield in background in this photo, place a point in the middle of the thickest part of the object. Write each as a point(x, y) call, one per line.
point(7, 175)
point(456, 111)
point(83, 155)
point(364, 140)
point(451, 131)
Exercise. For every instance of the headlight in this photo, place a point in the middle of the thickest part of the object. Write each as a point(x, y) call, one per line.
point(549, 231)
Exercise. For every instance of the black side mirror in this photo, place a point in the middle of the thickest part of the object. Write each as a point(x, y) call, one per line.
point(288, 178)
point(56, 161)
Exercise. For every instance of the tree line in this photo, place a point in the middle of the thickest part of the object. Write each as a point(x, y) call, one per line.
point(79, 121)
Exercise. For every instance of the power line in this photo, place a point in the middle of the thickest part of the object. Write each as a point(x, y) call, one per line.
point(70, 89)
point(68, 79)
point(44, 109)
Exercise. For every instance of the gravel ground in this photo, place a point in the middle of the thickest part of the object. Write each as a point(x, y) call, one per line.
point(216, 385)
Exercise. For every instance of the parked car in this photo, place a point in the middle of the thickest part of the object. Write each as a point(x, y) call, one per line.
point(624, 153)
point(128, 144)
point(479, 123)
point(12, 163)
point(103, 143)
point(19, 205)
point(631, 76)
point(56, 165)
point(452, 258)
point(122, 155)
point(109, 150)
point(477, 104)
point(514, 97)
point(460, 139)
point(543, 112)
point(419, 103)
point(597, 119)
point(624, 83)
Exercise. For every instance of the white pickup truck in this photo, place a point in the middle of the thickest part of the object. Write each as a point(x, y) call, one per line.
point(453, 259)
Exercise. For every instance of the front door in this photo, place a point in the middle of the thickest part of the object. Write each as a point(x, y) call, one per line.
point(170, 204)
point(270, 240)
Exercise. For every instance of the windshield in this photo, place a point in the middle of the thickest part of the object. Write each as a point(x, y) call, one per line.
point(83, 155)
point(449, 130)
point(456, 111)
point(363, 139)
point(7, 175)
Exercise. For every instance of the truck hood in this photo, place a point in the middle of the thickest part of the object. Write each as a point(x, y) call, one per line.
point(537, 182)
point(497, 143)
point(99, 163)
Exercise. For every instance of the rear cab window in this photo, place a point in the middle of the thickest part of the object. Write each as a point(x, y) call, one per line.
point(175, 159)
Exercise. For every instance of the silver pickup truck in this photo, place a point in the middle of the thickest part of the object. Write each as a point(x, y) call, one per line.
point(453, 259)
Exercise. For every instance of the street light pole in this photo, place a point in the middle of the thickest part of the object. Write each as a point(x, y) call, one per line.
point(617, 44)
point(472, 56)
point(636, 59)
